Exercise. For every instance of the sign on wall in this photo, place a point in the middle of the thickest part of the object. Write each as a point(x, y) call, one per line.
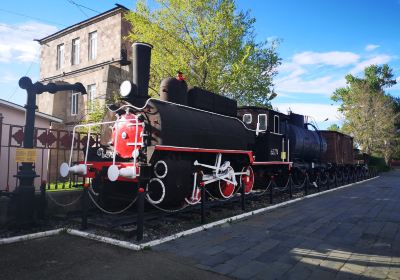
point(25, 155)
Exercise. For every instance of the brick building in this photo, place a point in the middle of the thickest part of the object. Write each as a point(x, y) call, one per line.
point(93, 52)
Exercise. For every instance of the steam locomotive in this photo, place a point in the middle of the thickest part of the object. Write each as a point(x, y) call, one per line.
point(192, 137)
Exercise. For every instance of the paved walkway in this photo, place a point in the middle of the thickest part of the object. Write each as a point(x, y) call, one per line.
point(353, 233)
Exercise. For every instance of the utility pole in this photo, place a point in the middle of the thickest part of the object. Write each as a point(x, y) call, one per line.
point(25, 192)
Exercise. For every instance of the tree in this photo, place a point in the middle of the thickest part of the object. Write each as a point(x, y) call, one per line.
point(211, 43)
point(370, 114)
point(333, 127)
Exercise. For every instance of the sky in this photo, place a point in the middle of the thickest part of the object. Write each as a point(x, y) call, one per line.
point(320, 42)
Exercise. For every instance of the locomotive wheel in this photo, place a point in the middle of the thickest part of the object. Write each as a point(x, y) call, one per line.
point(194, 198)
point(298, 177)
point(247, 181)
point(339, 175)
point(323, 177)
point(226, 189)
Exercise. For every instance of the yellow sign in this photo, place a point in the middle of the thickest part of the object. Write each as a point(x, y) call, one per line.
point(283, 155)
point(25, 155)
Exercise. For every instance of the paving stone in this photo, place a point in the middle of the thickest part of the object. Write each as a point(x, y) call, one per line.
point(299, 271)
point(353, 268)
point(214, 250)
point(394, 273)
point(274, 270)
point(375, 272)
point(217, 259)
point(273, 254)
point(248, 270)
point(320, 274)
point(224, 268)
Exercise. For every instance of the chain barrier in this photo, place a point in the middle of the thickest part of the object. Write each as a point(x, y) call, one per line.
point(167, 210)
point(284, 188)
point(264, 191)
point(63, 205)
point(90, 188)
point(110, 212)
point(301, 185)
point(222, 198)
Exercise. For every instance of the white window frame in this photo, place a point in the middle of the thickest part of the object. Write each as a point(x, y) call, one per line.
point(60, 56)
point(92, 54)
point(275, 118)
point(258, 130)
point(91, 97)
point(251, 118)
point(74, 103)
point(75, 51)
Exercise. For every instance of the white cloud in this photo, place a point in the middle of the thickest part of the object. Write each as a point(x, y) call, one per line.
point(16, 41)
point(323, 85)
point(379, 59)
point(317, 111)
point(8, 77)
point(371, 47)
point(334, 58)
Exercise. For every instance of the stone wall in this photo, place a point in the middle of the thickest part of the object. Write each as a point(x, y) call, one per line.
point(111, 32)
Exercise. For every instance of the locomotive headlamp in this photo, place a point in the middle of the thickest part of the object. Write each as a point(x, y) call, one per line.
point(126, 88)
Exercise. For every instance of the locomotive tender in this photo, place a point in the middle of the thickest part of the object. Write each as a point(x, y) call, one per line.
point(189, 138)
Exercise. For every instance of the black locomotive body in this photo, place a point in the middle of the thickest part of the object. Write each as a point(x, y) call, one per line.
point(194, 138)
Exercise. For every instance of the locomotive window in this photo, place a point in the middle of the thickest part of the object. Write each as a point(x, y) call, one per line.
point(262, 122)
point(276, 124)
point(247, 118)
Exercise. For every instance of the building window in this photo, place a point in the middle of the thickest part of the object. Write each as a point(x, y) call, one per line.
point(74, 103)
point(92, 45)
point(75, 51)
point(91, 91)
point(276, 124)
point(60, 56)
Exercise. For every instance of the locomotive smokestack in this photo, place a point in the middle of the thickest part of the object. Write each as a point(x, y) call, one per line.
point(137, 91)
point(141, 55)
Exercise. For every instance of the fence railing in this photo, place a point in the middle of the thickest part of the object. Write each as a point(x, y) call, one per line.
point(52, 146)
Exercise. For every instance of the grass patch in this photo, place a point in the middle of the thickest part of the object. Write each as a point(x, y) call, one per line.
point(64, 186)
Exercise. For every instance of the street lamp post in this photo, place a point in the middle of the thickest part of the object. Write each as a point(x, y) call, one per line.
point(25, 192)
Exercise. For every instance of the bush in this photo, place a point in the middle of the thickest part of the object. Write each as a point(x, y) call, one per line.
point(378, 163)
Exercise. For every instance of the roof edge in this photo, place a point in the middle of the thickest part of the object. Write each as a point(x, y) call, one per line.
point(37, 113)
point(76, 25)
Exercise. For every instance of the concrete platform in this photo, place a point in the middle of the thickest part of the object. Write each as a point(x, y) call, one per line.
point(352, 233)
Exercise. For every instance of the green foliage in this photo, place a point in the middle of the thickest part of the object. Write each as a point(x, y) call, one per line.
point(333, 127)
point(211, 43)
point(370, 114)
point(95, 112)
point(63, 186)
point(378, 163)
